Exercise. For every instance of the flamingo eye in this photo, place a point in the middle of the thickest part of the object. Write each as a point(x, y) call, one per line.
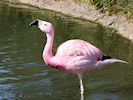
point(45, 24)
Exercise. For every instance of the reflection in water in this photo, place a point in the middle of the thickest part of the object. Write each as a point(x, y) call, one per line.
point(24, 76)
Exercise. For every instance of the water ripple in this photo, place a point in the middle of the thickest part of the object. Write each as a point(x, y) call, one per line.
point(4, 71)
point(5, 92)
point(3, 53)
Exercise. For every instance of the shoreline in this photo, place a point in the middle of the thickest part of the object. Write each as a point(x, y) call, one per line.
point(83, 11)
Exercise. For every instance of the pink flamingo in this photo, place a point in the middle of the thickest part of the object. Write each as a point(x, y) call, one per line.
point(75, 56)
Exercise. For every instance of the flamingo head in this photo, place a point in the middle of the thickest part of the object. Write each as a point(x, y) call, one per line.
point(44, 26)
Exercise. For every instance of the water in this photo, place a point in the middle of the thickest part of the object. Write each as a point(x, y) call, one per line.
point(24, 76)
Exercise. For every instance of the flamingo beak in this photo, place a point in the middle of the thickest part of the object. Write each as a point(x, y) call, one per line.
point(114, 60)
point(35, 22)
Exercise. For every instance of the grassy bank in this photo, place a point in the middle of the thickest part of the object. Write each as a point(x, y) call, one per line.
point(114, 7)
point(111, 7)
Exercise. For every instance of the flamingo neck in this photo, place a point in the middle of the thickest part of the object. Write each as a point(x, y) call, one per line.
point(47, 52)
point(48, 57)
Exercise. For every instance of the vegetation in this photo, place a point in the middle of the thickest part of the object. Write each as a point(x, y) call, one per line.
point(111, 7)
point(114, 6)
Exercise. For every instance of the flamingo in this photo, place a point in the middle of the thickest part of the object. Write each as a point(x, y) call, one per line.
point(74, 56)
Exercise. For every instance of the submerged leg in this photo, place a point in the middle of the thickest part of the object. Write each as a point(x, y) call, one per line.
point(80, 76)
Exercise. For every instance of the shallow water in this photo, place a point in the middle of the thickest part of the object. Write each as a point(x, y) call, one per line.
point(24, 76)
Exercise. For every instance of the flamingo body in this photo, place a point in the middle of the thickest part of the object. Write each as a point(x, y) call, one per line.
point(76, 56)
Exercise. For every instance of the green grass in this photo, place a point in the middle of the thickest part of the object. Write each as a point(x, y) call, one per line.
point(110, 7)
point(114, 6)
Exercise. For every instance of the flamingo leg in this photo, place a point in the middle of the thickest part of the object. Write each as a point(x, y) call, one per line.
point(80, 76)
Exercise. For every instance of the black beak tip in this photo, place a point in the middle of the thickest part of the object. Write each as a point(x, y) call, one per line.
point(35, 22)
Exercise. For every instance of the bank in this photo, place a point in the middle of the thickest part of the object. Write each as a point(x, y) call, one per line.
point(84, 11)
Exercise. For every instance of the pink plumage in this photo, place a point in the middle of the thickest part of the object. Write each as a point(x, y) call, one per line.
point(75, 56)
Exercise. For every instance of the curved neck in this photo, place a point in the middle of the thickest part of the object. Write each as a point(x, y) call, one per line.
point(48, 57)
point(47, 52)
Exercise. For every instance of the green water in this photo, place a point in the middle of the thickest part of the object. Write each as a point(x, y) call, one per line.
point(24, 76)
